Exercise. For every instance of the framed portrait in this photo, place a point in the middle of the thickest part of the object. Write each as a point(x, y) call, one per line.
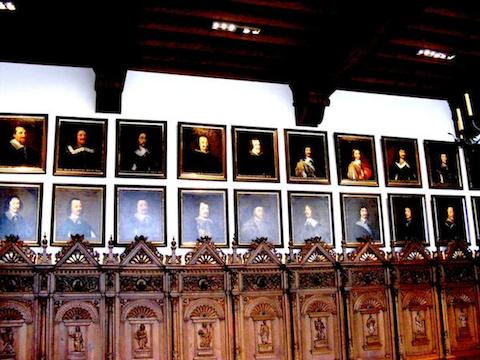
point(443, 165)
point(449, 219)
point(407, 219)
point(401, 162)
point(80, 147)
point(258, 214)
point(141, 149)
point(476, 216)
point(140, 210)
point(307, 157)
point(310, 215)
point(356, 160)
point(203, 212)
point(21, 211)
point(472, 159)
point(361, 219)
point(23, 143)
point(202, 152)
point(255, 154)
point(78, 209)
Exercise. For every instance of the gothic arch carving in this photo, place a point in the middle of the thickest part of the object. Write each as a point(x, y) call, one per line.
point(264, 306)
point(15, 309)
point(204, 308)
point(75, 306)
point(318, 304)
point(147, 308)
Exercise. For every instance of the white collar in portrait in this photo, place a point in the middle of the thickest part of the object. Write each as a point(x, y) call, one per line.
point(16, 144)
point(80, 149)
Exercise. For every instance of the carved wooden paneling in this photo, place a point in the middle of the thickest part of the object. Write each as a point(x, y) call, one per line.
point(261, 306)
point(201, 309)
point(369, 305)
point(460, 301)
point(317, 306)
point(418, 310)
point(206, 305)
point(142, 326)
point(17, 331)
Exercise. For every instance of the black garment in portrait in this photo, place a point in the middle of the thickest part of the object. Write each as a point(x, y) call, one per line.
point(141, 160)
point(402, 172)
point(311, 229)
point(257, 165)
point(450, 231)
point(23, 156)
point(15, 225)
point(410, 231)
point(202, 162)
point(146, 226)
point(361, 230)
point(79, 226)
point(444, 175)
point(85, 158)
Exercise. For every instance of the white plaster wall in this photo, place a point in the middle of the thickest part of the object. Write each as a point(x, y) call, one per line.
point(68, 91)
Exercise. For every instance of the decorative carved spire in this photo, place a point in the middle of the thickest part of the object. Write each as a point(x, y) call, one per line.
point(174, 259)
point(111, 258)
point(234, 258)
point(44, 258)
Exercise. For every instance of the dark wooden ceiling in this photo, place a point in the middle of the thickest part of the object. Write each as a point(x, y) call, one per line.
point(322, 45)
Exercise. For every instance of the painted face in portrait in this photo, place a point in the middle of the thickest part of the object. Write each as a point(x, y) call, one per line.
point(81, 138)
point(408, 213)
point(203, 144)
point(364, 213)
point(14, 205)
point(142, 207)
point(259, 213)
point(20, 135)
point(256, 147)
point(308, 211)
point(142, 139)
point(203, 210)
point(76, 207)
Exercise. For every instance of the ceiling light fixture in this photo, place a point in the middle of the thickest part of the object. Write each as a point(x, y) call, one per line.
point(234, 28)
point(435, 54)
point(7, 5)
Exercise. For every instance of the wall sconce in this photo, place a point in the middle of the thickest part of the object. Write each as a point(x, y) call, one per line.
point(466, 119)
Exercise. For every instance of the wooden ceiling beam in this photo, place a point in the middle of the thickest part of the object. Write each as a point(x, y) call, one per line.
point(295, 42)
point(209, 49)
point(414, 59)
point(218, 15)
point(450, 12)
point(425, 44)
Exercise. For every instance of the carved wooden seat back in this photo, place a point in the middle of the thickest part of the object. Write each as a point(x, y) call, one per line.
point(368, 300)
point(316, 301)
point(201, 308)
point(144, 327)
point(261, 305)
point(459, 291)
point(417, 304)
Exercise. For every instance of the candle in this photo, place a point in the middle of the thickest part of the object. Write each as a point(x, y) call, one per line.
point(469, 104)
point(459, 120)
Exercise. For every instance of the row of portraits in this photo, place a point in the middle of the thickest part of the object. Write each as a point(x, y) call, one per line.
point(80, 149)
point(141, 210)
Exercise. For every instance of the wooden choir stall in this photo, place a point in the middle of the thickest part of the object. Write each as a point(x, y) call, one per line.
point(206, 305)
